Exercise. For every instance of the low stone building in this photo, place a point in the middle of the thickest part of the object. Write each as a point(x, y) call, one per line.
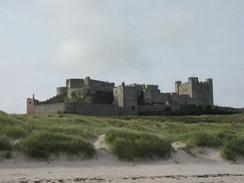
point(93, 97)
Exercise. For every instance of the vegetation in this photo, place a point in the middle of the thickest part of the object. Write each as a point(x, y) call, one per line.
point(4, 144)
point(233, 148)
point(129, 137)
point(130, 145)
point(201, 110)
point(203, 139)
point(14, 132)
point(42, 144)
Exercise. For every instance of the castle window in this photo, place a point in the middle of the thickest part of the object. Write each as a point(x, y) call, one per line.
point(29, 102)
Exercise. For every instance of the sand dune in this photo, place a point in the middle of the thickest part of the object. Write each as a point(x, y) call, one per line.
point(201, 165)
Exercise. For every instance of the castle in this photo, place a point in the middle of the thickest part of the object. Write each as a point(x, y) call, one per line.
point(93, 97)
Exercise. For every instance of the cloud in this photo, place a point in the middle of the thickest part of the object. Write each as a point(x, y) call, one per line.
point(156, 41)
point(95, 36)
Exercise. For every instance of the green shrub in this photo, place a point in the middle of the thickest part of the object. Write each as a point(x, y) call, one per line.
point(233, 148)
point(4, 143)
point(225, 135)
point(42, 144)
point(14, 132)
point(130, 145)
point(203, 139)
point(74, 131)
point(6, 119)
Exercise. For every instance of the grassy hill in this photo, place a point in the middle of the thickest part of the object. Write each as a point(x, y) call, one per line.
point(129, 138)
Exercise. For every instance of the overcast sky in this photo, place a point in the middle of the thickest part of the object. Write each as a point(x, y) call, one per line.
point(43, 42)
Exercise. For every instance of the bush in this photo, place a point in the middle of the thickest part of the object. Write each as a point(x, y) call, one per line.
point(233, 148)
point(6, 119)
point(4, 144)
point(42, 144)
point(130, 145)
point(14, 132)
point(203, 139)
point(225, 135)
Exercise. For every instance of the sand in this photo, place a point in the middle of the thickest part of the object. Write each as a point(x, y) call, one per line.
point(201, 165)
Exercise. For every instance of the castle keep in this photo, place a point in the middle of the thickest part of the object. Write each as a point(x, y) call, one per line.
point(93, 97)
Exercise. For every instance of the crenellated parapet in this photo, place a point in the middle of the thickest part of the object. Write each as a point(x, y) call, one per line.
point(201, 92)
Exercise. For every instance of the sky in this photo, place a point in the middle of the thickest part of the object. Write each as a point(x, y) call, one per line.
point(44, 42)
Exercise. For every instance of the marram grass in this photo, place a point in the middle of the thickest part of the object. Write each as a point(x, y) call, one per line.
point(131, 145)
point(129, 137)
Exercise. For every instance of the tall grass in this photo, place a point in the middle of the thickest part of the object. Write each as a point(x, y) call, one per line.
point(233, 148)
point(42, 144)
point(203, 139)
point(4, 144)
point(14, 132)
point(44, 135)
point(130, 145)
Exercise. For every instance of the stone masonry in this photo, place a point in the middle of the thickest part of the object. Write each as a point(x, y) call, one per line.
point(94, 97)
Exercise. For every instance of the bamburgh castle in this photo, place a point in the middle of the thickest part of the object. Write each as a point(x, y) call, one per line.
point(93, 97)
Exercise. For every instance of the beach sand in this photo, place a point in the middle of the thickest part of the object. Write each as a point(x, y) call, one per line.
point(202, 165)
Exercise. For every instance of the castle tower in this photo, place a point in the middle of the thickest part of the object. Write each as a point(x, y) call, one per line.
point(62, 91)
point(87, 81)
point(210, 87)
point(193, 87)
point(177, 87)
point(30, 106)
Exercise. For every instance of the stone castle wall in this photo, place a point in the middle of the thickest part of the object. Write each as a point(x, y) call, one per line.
point(150, 109)
point(74, 83)
point(124, 99)
point(76, 108)
point(49, 108)
point(93, 109)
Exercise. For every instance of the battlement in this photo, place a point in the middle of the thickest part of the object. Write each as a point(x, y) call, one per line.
point(151, 87)
point(144, 86)
point(193, 79)
point(200, 91)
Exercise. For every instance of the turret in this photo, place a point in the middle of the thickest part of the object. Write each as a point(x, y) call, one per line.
point(177, 86)
point(62, 91)
point(30, 105)
point(193, 79)
point(210, 87)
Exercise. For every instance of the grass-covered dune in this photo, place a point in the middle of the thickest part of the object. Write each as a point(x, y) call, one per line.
point(129, 145)
point(129, 138)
